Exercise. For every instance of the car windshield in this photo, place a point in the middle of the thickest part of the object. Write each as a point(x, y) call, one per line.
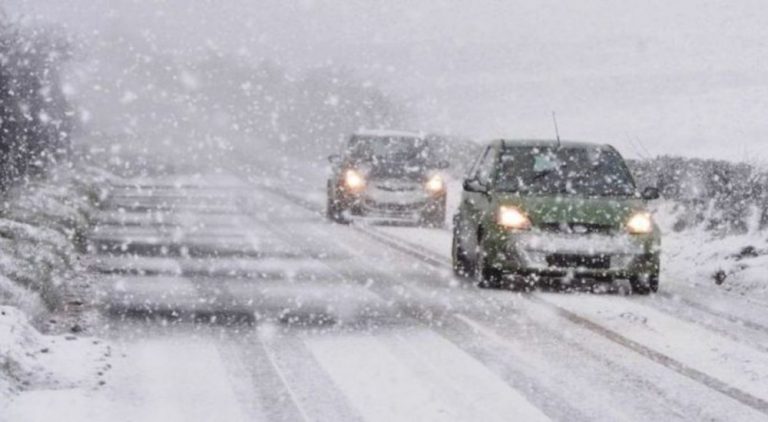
point(392, 149)
point(586, 171)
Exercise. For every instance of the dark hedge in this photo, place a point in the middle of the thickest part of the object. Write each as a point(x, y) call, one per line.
point(35, 118)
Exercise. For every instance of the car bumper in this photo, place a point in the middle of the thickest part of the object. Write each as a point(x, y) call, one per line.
point(411, 206)
point(578, 256)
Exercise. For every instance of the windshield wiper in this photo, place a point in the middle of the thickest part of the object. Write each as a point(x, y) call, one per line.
point(541, 175)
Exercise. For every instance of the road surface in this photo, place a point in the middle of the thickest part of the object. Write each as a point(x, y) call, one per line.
point(233, 299)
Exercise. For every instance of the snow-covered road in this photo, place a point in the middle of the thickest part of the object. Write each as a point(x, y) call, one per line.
point(230, 300)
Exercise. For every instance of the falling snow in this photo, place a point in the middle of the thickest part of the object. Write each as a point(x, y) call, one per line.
point(364, 210)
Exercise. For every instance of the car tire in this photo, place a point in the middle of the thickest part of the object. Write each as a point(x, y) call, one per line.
point(333, 210)
point(462, 265)
point(644, 285)
point(488, 277)
point(521, 284)
point(434, 217)
point(435, 220)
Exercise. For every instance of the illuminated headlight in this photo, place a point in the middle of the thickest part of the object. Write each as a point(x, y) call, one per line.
point(354, 180)
point(513, 218)
point(640, 223)
point(435, 184)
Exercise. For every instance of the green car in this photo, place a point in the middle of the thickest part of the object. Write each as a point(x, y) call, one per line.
point(535, 211)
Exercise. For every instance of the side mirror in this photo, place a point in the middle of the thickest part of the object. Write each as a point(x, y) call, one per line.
point(474, 186)
point(334, 158)
point(650, 193)
point(443, 164)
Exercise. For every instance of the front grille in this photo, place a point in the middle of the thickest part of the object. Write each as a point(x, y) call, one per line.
point(577, 228)
point(400, 188)
point(592, 262)
point(384, 206)
point(395, 185)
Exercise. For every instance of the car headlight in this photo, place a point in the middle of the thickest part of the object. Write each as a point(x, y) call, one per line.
point(640, 223)
point(435, 184)
point(513, 218)
point(354, 180)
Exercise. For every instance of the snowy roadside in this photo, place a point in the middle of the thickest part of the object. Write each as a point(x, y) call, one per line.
point(42, 224)
point(704, 259)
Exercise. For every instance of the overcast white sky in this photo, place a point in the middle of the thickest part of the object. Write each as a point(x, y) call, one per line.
point(682, 77)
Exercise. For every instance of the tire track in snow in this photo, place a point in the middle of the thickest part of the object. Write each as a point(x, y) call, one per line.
point(730, 318)
point(726, 325)
point(240, 351)
point(391, 379)
point(294, 389)
point(309, 384)
point(410, 308)
point(258, 387)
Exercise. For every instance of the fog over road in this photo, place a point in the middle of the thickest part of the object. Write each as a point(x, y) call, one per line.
point(657, 77)
point(229, 299)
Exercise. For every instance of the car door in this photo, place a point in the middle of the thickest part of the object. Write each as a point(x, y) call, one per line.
point(476, 200)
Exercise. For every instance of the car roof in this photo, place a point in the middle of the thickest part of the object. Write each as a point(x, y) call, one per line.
point(388, 133)
point(507, 143)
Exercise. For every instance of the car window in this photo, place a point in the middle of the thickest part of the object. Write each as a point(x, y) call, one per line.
point(589, 171)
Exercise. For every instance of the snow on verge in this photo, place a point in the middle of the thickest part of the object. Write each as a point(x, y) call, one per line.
point(701, 258)
point(30, 360)
point(42, 227)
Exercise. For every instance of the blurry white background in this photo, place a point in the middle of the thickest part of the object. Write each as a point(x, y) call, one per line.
point(653, 77)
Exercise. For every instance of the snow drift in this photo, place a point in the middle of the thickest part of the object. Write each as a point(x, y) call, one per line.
point(30, 360)
point(42, 227)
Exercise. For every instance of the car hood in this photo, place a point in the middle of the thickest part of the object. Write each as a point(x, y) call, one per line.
point(544, 210)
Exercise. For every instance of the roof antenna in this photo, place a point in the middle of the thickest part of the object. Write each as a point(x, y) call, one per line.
point(557, 131)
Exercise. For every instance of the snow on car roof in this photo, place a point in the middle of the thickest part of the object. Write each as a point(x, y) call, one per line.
point(389, 133)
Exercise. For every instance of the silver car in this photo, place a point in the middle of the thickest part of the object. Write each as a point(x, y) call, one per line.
point(393, 175)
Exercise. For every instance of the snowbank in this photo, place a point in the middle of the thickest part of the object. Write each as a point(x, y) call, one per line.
point(703, 258)
point(42, 228)
point(735, 263)
point(30, 360)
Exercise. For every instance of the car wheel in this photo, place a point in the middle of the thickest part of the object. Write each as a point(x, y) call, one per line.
point(462, 265)
point(435, 220)
point(488, 277)
point(645, 284)
point(522, 284)
point(434, 216)
point(333, 210)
